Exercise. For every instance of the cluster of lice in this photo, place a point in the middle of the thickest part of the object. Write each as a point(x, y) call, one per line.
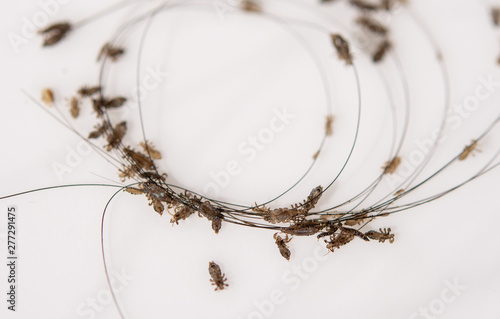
point(468, 150)
point(378, 34)
point(337, 228)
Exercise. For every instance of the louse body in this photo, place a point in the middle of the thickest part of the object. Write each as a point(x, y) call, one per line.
point(281, 215)
point(366, 6)
point(212, 214)
point(55, 33)
point(251, 6)
point(313, 198)
point(281, 243)
point(342, 47)
point(382, 235)
point(372, 25)
point(329, 125)
point(306, 228)
point(391, 166)
point(88, 91)
point(218, 278)
point(47, 97)
point(181, 213)
point(468, 150)
point(110, 51)
point(381, 51)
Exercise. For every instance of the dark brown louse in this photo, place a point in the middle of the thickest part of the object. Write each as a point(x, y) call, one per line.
point(149, 149)
point(381, 50)
point(110, 51)
point(305, 228)
point(338, 241)
point(99, 130)
point(153, 176)
point(86, 91)
point(354, 232)
point(283, 248)
point(139, 159)
point(363, 5)
point(313, 198)
point(280, 215)
point(218, 278)
point(155, 191)
point(116, 135)
point(342, 47)
point(181, 213)
point(382, 235)
point(345, 236)
point(371, 25)
point(55, 33)
point(101, 104)
point(330, 230)
point(212, 214)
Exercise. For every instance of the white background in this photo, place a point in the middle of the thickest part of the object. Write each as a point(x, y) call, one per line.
point(227, 72)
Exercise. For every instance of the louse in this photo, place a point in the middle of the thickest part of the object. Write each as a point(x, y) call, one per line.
point(381, 50)
point(282, 245)
point(468, 150)
point(110, 51)
point(54, 33)
point(364, 5)
point(74, 107)
point(391, 166)
point(218, 279)
point(382, 235)
point(47, 97)
point(251, 6)
point(495, 15)
point(342, 47)
point(372, 25)
point(329, 125)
